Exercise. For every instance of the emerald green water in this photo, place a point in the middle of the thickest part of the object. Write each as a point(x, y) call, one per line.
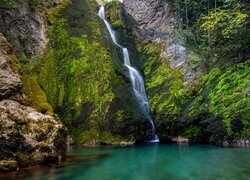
point(148, 162)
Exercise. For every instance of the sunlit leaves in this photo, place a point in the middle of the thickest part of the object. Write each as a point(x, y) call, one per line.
point(224, 23)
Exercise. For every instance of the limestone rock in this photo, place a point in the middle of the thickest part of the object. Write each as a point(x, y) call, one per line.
point(180, 140)
point(26, 26)
point(177, 55)
point(152, 19)
point(29, 137)
point(5, 46)
point(10, 82)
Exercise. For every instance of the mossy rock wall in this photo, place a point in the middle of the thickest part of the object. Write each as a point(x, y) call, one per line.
point(82, 78)
point(165, 89)
point(219, 109)
point(214, 111)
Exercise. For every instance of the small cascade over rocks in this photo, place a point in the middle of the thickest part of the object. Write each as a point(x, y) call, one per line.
point(136, 79)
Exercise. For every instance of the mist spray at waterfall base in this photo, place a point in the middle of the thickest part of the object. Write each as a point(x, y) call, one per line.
point(135, 77)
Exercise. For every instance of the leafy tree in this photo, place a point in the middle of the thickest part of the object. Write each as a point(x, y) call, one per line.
point(220, 27)
point(227, 28)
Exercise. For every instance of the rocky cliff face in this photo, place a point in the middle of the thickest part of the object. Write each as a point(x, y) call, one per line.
point(24, 24)
point(27, 137)
point(10, 80)
point(200, 110)
point(151, 20)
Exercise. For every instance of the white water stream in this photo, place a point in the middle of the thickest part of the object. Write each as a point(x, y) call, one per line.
point(135, 77)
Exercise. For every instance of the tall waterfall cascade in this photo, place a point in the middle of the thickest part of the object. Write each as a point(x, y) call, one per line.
point(136, 79)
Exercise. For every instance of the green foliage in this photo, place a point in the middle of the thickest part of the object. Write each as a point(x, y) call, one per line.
point(54, 13)
point(227, 29)
point(8, 4)
point(95, 135)
point(220, 29)
point(224, 23)
point(194, 60)
point(165, 89)
point(192, 132)
point(40, 3)
point(35, 3)
point(224, 95)
point(113, 11)
point(77, 75)
point(103, 2)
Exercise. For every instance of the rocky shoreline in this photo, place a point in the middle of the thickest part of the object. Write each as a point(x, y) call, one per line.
point(27, 137)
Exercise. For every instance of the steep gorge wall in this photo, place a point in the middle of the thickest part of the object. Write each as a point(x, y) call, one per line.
point(82, 77)
point(24, 24)
point(81, 74)
point(198, 105)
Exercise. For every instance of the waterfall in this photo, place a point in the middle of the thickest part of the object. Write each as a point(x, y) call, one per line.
point(135, 77)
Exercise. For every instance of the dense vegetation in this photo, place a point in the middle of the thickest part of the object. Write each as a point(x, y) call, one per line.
point(216, 34)
point(218, 29)
point(84, 92)
point(8, 4)
point(84, 82)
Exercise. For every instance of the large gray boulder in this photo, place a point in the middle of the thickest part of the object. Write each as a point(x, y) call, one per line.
point(29, 137)
point(176, 53)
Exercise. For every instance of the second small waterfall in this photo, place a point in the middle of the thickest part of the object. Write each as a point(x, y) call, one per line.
point(135, 77)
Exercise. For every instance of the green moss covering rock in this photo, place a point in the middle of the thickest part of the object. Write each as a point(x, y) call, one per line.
point(36, 96)
point(221, 105)
point(215, 111)
point(165, 89)
point(83, 83)
point(29, 136)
